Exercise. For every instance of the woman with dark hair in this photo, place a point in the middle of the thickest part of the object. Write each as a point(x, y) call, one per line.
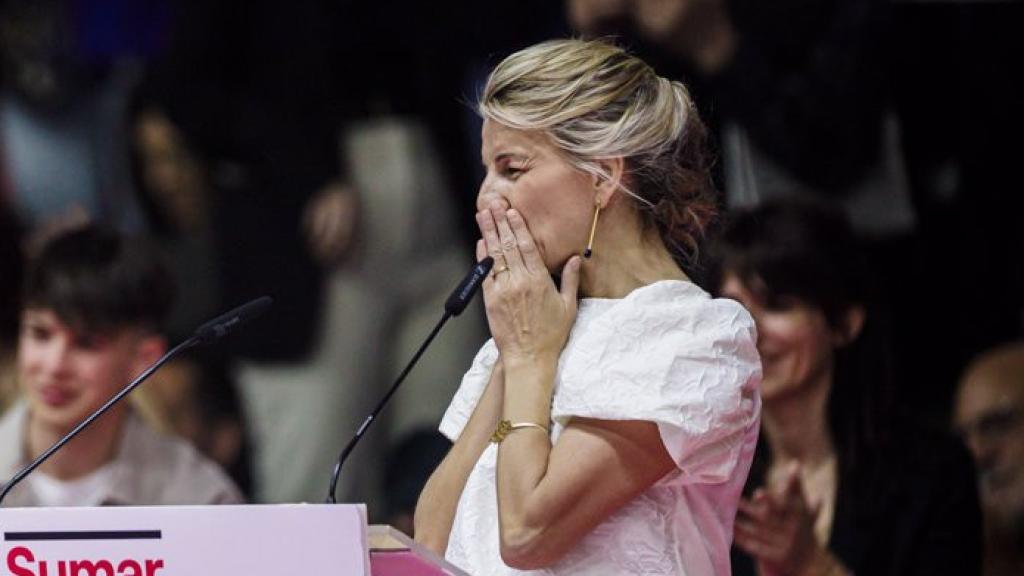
point(834, 489)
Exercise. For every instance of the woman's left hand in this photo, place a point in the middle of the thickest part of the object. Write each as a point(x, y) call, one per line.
point(529, 317)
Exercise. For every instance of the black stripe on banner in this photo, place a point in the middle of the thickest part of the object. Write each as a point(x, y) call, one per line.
point(84, 535)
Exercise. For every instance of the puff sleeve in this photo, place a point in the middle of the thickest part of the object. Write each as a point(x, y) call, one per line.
point(691, 366)
point(474, 382)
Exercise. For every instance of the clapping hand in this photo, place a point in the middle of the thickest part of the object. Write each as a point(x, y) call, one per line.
point(776, 527)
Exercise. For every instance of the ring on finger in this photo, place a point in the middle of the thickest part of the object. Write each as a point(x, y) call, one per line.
point(499, 270)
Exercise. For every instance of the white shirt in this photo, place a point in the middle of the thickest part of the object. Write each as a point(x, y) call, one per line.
point(666, 353)
point(148, 469)
point(85, 491)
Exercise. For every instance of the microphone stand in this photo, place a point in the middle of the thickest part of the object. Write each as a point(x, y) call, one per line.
point(454, 306)
point(331, 498)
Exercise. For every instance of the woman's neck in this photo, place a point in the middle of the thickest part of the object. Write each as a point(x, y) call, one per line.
point(89, 451)
point(796, 426)
point(618, 266)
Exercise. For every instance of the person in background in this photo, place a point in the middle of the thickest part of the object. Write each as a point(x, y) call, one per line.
point(92, 311)
point(173, 185)
point(65, 79)
point(989, 416)
point(612, 434)
point(836, 488)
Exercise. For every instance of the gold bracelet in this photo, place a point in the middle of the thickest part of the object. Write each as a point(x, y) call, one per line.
point(504, 428)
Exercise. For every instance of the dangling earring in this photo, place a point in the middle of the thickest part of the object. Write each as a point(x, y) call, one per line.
point(593, 228)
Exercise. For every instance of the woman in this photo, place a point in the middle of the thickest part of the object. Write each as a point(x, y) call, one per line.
point(832, 490)
point(610, 434)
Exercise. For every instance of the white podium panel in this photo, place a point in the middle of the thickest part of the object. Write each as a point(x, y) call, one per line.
point(258, 540)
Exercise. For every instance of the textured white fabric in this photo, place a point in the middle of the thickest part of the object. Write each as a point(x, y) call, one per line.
point(667, 353)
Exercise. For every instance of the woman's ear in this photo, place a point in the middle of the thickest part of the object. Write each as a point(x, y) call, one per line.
point(851, 327)
point(610, 180)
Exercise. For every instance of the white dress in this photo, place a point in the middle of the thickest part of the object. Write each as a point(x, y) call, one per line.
point(666, 353)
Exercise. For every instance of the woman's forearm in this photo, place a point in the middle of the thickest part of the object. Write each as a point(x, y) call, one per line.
point(435, 509)
point(439, 500)
point(551, 495)
point(523, 455)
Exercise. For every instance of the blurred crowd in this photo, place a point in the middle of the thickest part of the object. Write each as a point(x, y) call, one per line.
point(327, 154)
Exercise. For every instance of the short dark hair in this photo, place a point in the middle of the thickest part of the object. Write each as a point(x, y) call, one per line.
point(794, 249)
point(96, 280)
point(806, 250)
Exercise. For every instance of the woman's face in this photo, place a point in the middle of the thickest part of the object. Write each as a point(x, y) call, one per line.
point(794, 339)
point(525, 172)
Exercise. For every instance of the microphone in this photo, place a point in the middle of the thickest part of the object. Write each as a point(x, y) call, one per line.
point(466, 289)
point(228, 322)
point(207, 333)
point(454, 306)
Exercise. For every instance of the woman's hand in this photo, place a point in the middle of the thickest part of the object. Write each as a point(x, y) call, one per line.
point(529, 318)
point(777, 529)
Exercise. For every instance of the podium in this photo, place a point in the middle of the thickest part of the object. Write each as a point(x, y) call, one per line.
point(251, 540)
point(392, 553)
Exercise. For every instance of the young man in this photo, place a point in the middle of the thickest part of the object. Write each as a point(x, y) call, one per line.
point(92, 310)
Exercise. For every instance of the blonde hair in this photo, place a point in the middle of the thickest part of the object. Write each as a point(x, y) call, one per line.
point(595, 101)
